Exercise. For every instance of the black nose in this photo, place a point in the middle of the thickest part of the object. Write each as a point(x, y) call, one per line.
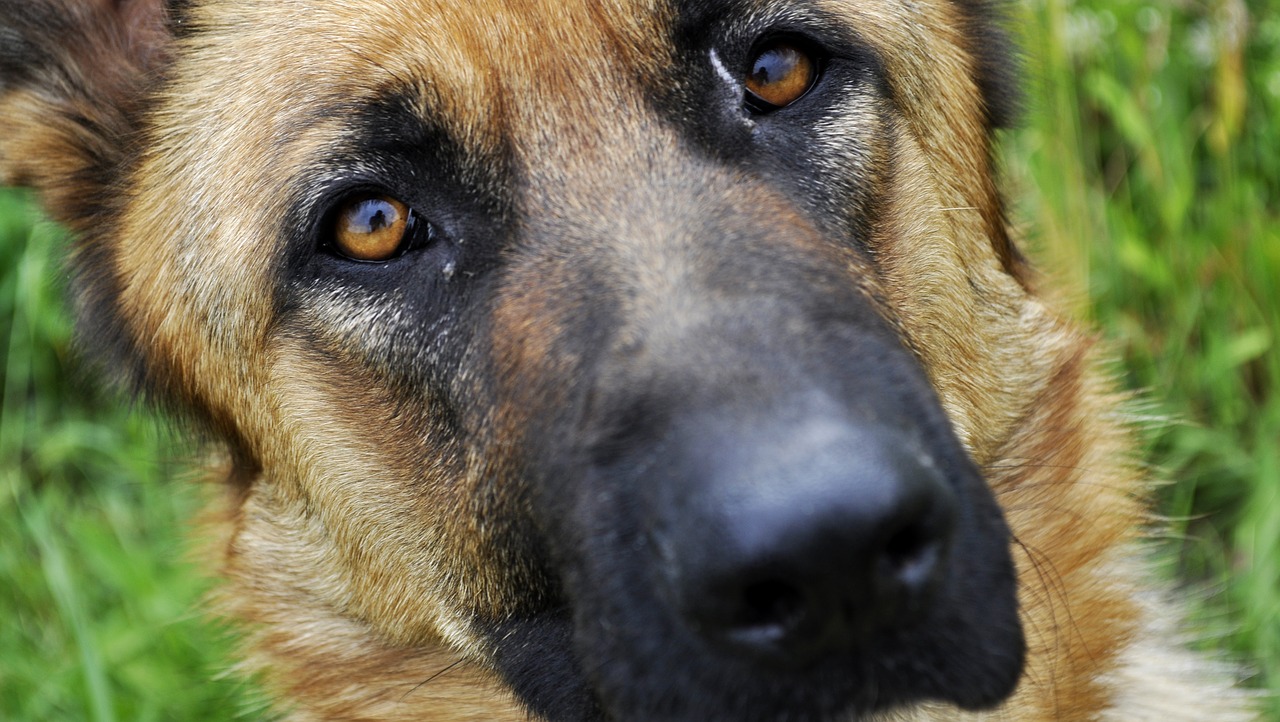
point(790, 541)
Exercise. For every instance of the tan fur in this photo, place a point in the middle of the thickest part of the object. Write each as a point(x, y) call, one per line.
point(351, 545)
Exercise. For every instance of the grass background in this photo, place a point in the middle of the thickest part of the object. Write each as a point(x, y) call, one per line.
point(1146, 175)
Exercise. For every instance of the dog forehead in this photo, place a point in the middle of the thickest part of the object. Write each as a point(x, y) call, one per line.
point(491, 72)
point(476, 67)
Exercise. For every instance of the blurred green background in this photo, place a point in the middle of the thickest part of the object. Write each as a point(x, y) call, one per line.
point(1145, 179)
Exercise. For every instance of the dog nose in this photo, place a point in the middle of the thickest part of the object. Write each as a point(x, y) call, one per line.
point(790, 545)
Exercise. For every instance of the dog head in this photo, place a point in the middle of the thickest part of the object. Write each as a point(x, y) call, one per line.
point(644, 357)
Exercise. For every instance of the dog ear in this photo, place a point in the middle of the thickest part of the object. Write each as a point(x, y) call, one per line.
point(988, 25)
point(74, 76)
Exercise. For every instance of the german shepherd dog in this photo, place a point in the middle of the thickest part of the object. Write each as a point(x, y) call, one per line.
point(605, 359)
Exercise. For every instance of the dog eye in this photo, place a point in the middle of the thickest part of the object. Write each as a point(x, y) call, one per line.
point(372, 227)
point(782, 71)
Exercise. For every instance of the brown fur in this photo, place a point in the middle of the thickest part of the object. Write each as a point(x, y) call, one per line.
point(359, 535)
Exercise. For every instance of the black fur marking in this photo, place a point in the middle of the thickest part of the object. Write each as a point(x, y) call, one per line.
point(390, 147)
point(19, 57)
point(428, 296)
point(535, 657)
point(789, 146)
point(998, 65)
point(27, 30)
point(998, 69)
point(179, 17)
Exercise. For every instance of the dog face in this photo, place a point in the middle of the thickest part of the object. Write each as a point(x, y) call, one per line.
point(649, 360)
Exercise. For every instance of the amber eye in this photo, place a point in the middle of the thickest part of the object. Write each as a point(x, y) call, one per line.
point(372, 227)
point(781, 73)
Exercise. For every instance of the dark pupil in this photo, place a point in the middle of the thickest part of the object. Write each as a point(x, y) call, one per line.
point(773, 65)
point(372, 216)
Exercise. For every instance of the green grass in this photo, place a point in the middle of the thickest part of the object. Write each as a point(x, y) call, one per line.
point(1147, 176)
point(102, 614)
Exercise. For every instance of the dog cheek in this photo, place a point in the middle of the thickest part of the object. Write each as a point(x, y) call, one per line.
point(377, 493)
point(985, 344)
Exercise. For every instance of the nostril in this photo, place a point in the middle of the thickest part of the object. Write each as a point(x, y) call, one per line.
point(768, 617)
point(910, 555)
point(768, 610)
